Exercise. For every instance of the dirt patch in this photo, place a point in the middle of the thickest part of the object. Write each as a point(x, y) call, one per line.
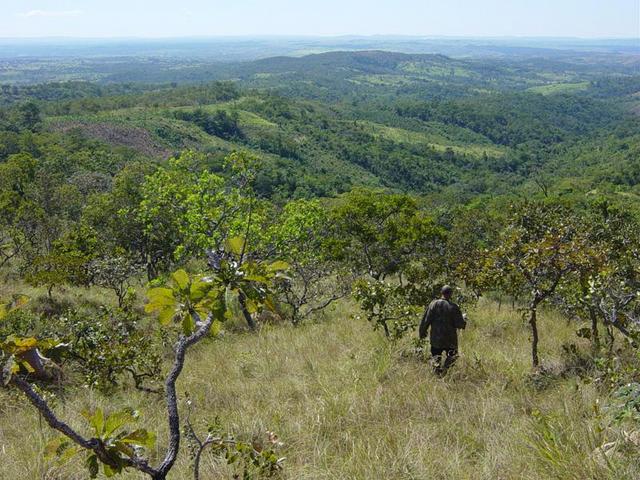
point(136, 138)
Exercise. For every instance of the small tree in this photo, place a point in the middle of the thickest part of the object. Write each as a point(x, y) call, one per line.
point(537, 251)
point(113, 273)
point(604, 290)
point(472, 233)
point(379, 234)
point(315, 279)
point(402, 250)
point(67, 263)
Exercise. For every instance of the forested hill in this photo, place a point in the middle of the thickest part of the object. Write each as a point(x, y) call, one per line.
point(324, 123)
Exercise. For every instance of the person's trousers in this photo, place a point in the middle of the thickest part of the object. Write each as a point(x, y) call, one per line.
point(451, 355)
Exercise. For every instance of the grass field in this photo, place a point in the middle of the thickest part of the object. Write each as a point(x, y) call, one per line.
point(435, 138)
point(348, 404)
point(556, 88)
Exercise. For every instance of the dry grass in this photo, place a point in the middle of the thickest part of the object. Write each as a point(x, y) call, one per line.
point(350, 405)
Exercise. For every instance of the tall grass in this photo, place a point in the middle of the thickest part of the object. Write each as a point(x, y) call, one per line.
point(348, 404)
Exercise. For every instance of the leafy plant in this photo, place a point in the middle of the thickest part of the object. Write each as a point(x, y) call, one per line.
point(626, 403)
point(24, 354)
point(387, 306)
point(539, 249)
point(116, 446)
point(18, 302)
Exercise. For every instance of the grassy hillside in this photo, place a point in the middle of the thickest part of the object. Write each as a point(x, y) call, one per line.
point(350, 405)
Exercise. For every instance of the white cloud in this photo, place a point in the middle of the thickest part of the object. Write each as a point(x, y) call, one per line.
point(51, 13)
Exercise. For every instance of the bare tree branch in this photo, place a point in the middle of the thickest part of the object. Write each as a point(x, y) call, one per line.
point(181, 348)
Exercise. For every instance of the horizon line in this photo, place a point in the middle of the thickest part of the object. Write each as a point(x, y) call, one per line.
point(324, 36)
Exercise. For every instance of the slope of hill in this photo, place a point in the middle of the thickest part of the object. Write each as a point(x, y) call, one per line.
point(347, 404)
point(326, 122)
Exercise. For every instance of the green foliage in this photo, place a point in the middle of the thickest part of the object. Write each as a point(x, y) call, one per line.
point(379, 234)
point(90, 194)
point(16, 303)
point(67, 263)
point(302, 236)
point(513, 119)
point(107, 348)
point(248, 460)
point(114, 273)
point(539, 248)
point(221, 124)
point(626, 403)
point(117, 442)
point(234, 279)
point(186, 300)
point(388, 306)
point(23, 354)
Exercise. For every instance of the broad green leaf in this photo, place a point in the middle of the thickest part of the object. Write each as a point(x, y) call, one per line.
point(4, 310)
point(256, 278)
point(25, 343)
point(159, 298)
point(218, 309)
point(140, 437)
point(235, 245)
point(188, 324)
point(199, 290)
point(96, 421)
point(270, 303)
point(166, 315)
point(117, 420)
point(278, 266)
point(230, 296)
point(216, 328)
point(123, 448)
point(27, 366)
point(252, 307)
point(181, 278)
point(108, 471)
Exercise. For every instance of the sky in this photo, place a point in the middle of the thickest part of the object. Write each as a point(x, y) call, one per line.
point(188, 18)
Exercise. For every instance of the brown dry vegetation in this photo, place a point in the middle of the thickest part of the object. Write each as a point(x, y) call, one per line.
point(136, 138)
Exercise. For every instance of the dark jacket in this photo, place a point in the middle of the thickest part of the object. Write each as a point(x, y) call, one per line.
point(444, 318)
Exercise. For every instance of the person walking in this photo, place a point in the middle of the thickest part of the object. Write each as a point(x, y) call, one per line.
point(444, 318)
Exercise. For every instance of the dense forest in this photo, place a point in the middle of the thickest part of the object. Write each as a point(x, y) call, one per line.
point(237, 205)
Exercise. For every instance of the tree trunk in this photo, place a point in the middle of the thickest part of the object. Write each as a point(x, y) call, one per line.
point(385, 327)
point(152, 271)
point(247, 316)
point(595, 336)
point(533, 321)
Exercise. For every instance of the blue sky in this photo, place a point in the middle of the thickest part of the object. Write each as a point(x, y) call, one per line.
point(175, 18)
